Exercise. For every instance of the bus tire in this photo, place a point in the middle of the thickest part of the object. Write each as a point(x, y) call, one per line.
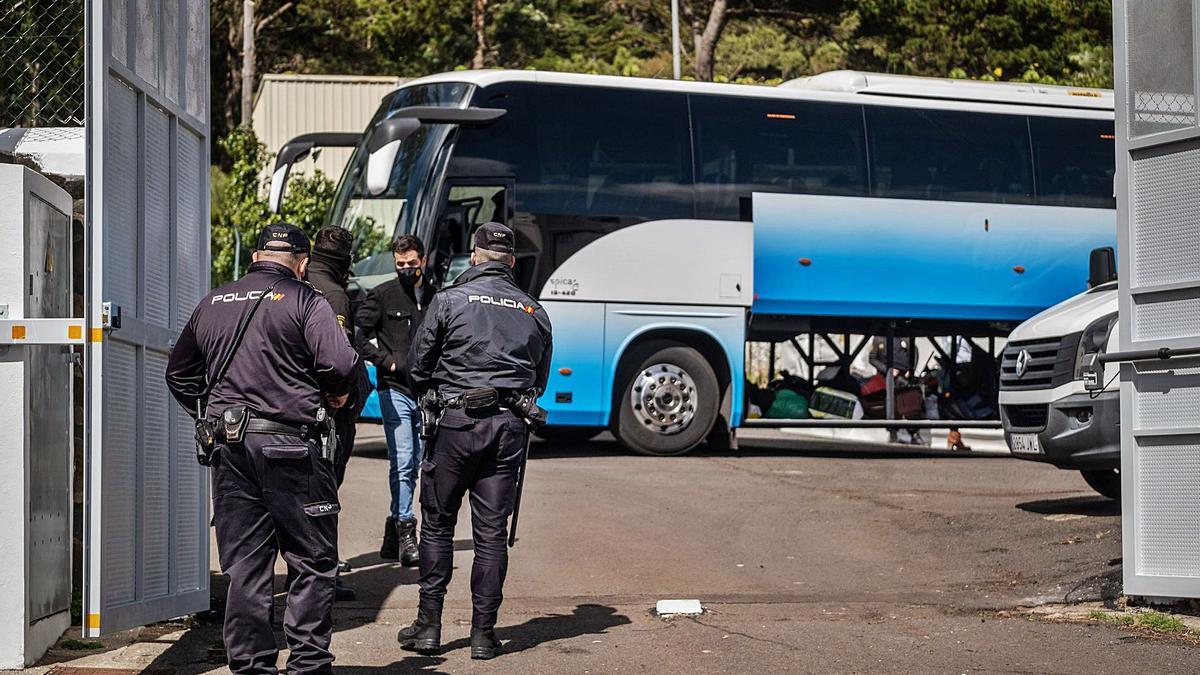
point(668, 399)
point(562, 434)
point(1105, 481)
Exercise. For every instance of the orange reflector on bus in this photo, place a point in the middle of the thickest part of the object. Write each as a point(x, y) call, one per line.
point(18, 332)
point(565, 371)
point(780, 116)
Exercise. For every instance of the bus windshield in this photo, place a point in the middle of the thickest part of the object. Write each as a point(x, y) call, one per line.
point(396, 211)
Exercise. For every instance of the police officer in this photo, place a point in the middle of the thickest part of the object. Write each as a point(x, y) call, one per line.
point(329, 272)
point(273, 485)
point(481, 333)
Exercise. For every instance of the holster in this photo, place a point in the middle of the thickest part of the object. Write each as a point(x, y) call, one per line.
point(234, 421)
point(329, 437)
point(431, 406)
point(524, 405)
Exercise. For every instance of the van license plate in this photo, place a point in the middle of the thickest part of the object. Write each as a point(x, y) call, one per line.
point(1026, 444)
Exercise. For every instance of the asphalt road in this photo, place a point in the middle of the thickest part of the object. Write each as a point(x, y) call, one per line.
point(807, 557)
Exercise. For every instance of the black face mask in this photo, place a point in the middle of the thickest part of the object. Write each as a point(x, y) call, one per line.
point(408, 275)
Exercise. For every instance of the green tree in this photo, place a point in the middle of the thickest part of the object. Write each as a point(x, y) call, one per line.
point(1050, 41)
point(240, 209)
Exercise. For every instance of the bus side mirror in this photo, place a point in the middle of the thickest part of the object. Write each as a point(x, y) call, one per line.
point(297, 149)
point(1102, 266)
point(293, 151)
point(382, 147)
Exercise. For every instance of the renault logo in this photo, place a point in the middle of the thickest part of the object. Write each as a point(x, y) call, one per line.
point(1022, 363)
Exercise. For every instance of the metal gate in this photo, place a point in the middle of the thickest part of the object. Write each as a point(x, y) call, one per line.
point(146, 500)
point(1158, 185)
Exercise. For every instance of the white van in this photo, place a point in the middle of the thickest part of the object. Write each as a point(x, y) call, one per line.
point(1047, 414)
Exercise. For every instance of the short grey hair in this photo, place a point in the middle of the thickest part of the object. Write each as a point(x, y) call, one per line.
point(285, 258)
point(483, 255)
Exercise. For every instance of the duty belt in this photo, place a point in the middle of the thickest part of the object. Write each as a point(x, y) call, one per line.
point(260, 426)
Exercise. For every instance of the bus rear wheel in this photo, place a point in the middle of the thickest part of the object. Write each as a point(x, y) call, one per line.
point(668, 401)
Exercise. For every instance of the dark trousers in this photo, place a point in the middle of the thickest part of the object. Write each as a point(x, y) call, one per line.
point(274, 495)
point(345, 423)
point(480, 455)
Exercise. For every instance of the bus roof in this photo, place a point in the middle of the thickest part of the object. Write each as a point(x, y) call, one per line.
point(1018, 93)
point(843, 86)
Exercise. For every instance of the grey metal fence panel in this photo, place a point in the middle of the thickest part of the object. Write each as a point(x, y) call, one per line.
point(1158, 190)
point(147, 538)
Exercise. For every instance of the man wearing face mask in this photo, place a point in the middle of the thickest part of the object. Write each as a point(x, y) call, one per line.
point(387, 320)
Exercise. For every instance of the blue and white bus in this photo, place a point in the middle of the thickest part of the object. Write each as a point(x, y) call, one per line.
point(663, 223)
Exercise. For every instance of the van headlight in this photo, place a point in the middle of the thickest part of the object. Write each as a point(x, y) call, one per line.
point(1093, 341)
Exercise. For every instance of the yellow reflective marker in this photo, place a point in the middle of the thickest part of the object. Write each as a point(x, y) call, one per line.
point(94, 621)
point(18, 332)
point(97, 335)
point(74, 332)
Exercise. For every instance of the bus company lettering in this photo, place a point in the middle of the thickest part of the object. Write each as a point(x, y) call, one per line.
point(501, 302)
point(564, 287)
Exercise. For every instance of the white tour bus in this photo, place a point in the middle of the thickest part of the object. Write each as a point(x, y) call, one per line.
point(663, 224)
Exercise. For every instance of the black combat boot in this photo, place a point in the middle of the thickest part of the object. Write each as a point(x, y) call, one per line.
point(484, 644)
point(424, 635)
point(390, 550)
point(406, 532)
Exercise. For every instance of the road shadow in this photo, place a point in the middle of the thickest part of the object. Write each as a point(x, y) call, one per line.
point(587, 619)
point(1078, 506)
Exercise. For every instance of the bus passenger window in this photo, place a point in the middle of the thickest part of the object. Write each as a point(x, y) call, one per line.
point(949, 156)
point(1075, 161)
point(612, 152)
point(747, 145)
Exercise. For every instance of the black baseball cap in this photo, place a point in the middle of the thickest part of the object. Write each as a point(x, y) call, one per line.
point(284, 238)
point(494, 237)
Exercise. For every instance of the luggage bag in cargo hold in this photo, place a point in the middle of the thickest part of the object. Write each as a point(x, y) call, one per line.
point(829, 403)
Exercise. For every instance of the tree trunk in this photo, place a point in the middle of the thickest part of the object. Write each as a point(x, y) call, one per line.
point(706, 38)
point(248, 58)
point(478, 15)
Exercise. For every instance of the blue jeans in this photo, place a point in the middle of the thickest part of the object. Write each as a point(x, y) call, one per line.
point(402, 426)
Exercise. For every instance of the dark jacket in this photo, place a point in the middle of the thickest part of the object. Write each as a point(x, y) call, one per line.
point(293, 351)
point(387, 320)
point(327, 277)
point(483, 331)
point(331, 278)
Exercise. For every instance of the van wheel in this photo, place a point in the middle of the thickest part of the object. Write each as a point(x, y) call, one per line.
point(668, 400)
point(1105, 481)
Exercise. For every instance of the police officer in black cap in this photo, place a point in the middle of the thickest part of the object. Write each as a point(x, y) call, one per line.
point(482, 351)
point(262, 363)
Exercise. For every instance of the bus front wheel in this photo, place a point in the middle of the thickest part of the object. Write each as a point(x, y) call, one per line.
point(668, 401)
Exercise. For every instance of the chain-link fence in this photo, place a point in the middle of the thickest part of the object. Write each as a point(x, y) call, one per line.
point(41, 63)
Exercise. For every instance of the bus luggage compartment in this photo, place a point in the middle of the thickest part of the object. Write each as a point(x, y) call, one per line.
point(868, 257)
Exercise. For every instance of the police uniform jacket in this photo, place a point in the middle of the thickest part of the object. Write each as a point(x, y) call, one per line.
point(387, 319)
point(483, 331)
point(294, 351)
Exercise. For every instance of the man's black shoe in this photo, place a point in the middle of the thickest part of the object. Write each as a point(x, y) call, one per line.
point(390, 550)
point(424, 635)
point(342, 592)
point(406, 532)
point(484, 644)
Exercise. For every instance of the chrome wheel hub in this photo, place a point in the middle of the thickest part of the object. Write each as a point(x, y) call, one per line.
point(663, 398)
